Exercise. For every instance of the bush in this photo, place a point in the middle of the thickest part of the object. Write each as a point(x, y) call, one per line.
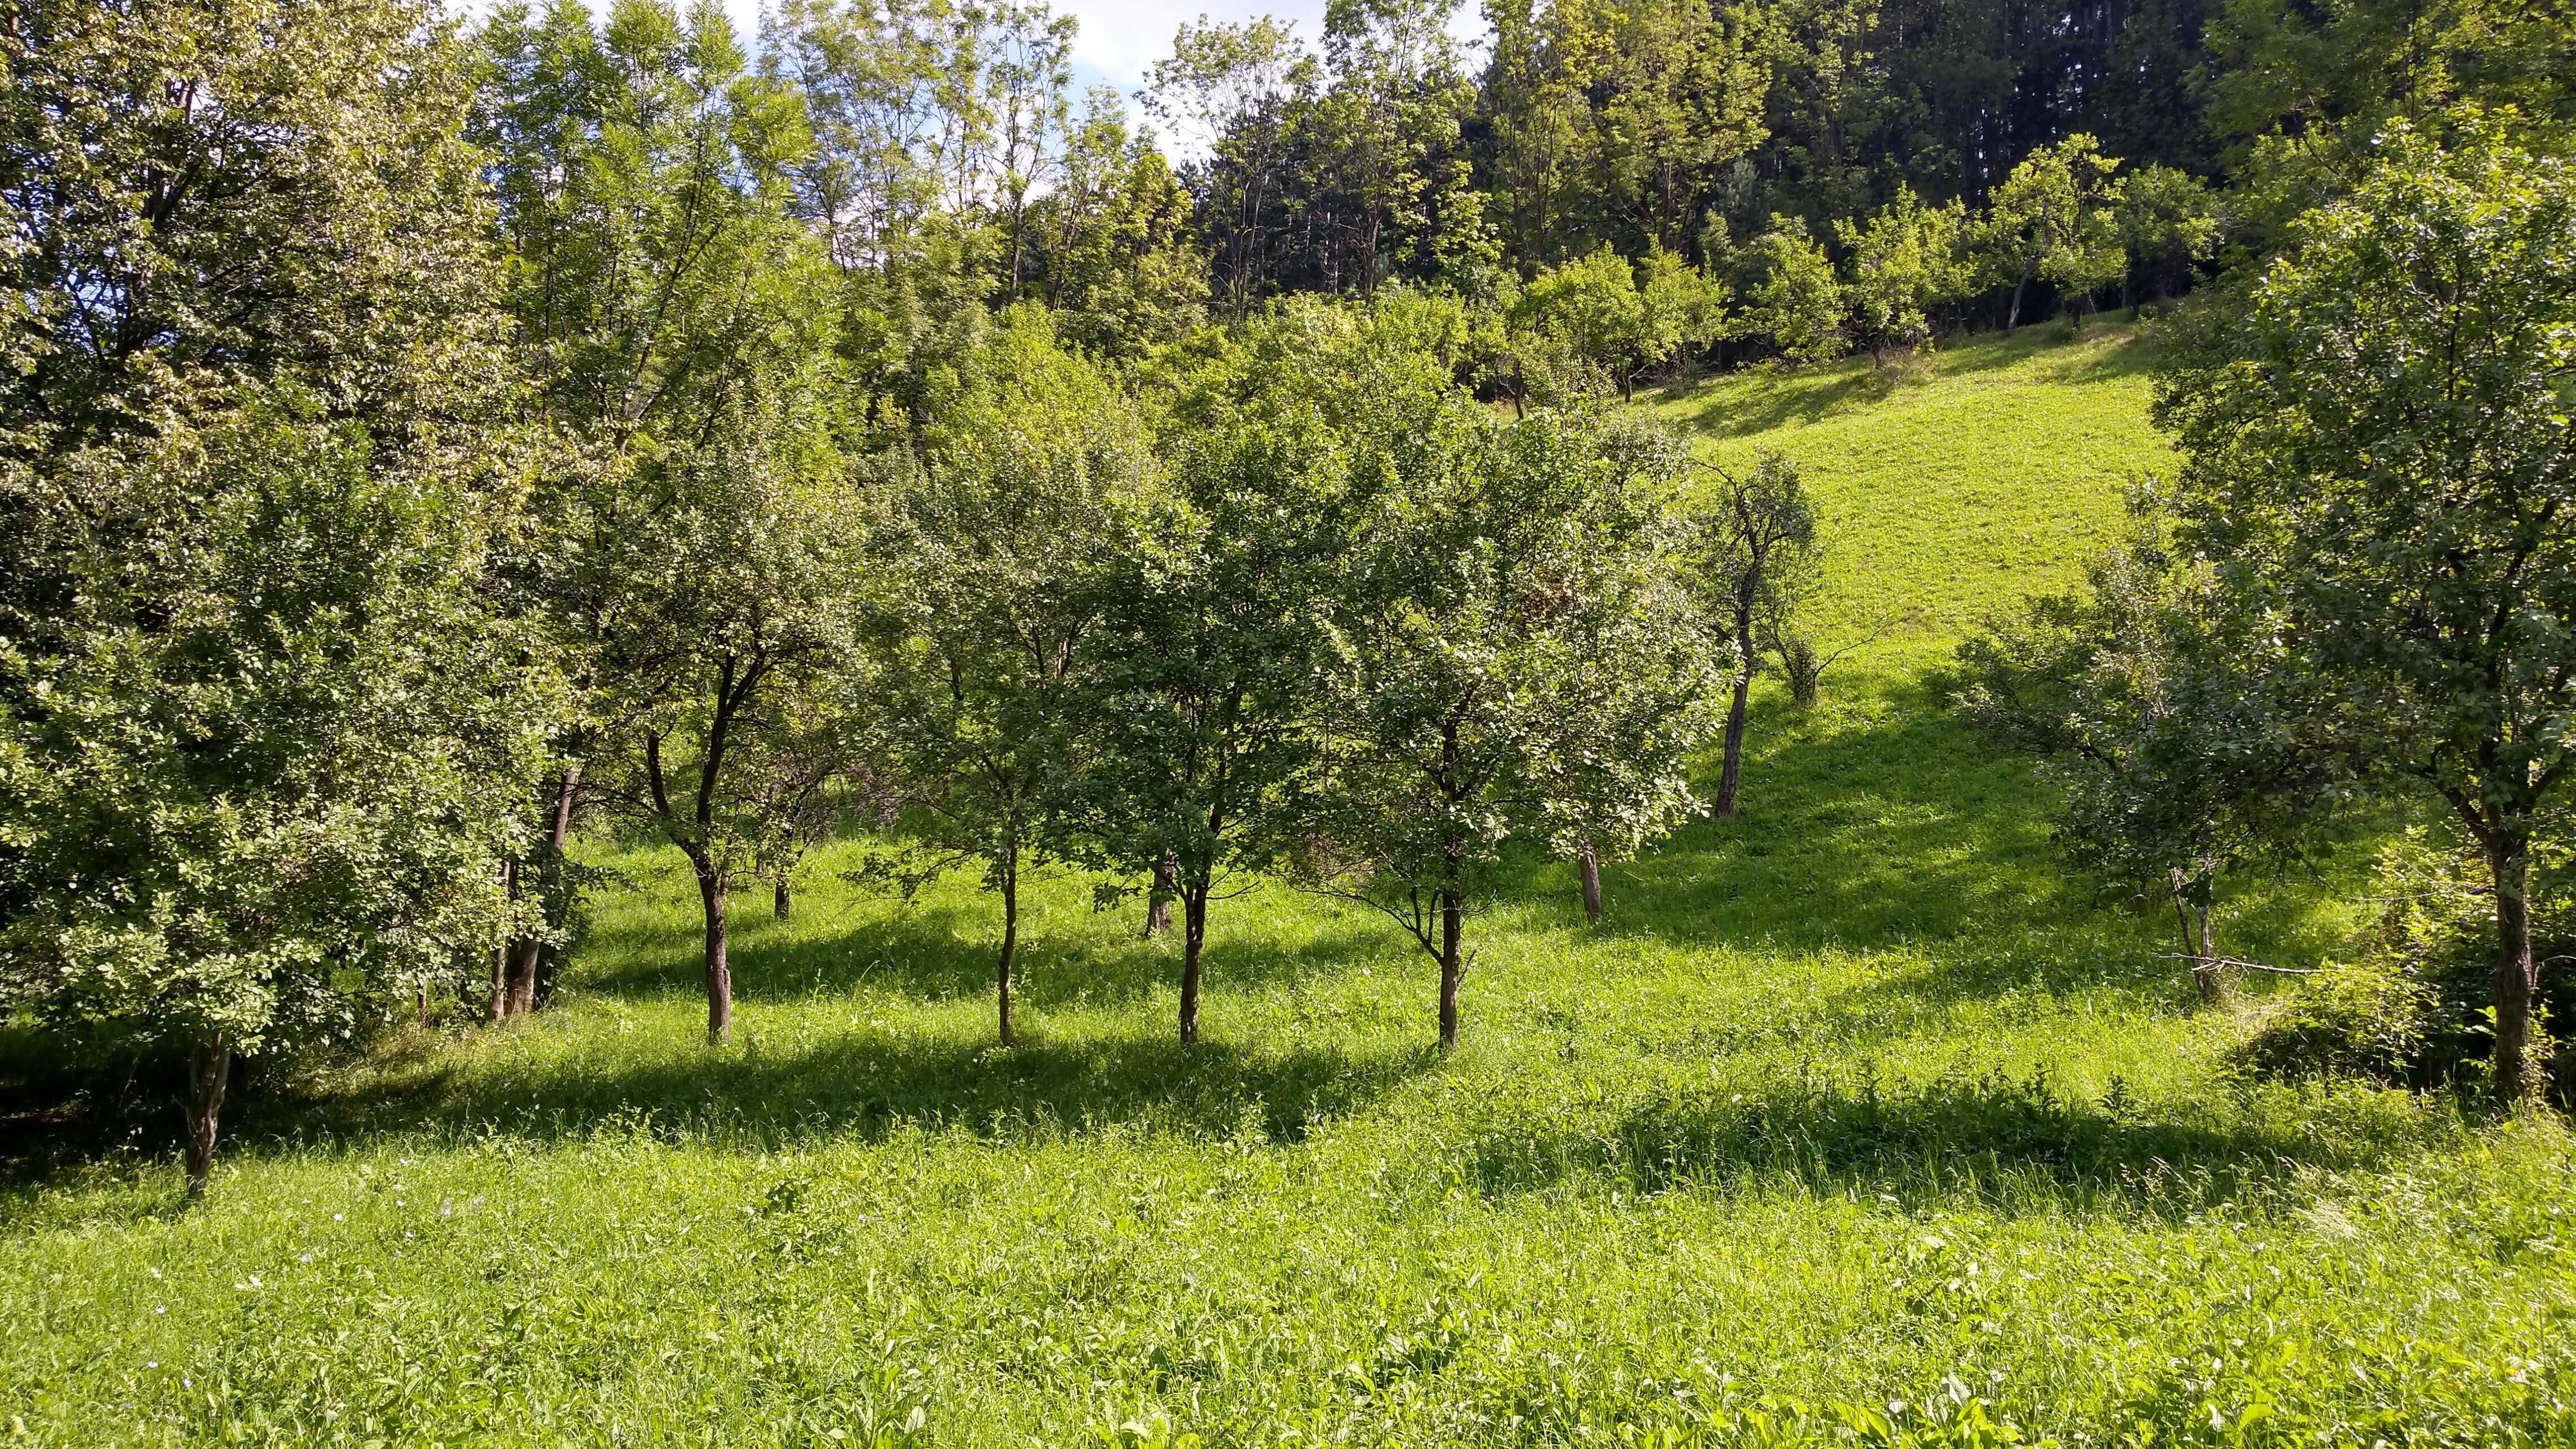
point(2371, 1019)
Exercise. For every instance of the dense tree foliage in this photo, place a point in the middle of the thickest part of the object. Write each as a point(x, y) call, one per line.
point(254, 695)
point(2188, 743)
point(2378, 457)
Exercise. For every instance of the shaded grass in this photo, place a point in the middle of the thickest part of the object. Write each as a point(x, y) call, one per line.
point(1861, 1098)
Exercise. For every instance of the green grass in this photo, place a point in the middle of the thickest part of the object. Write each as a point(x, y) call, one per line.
point(1861, 1100)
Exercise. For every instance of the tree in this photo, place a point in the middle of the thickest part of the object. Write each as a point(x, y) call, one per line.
point(2377, 456)
point(1633, 701)
point(2187, 744)
point(1798, 304)
point(1030, 70)
point(1906, 264)
point(1225, 89)
point(1027, 518)
point(1755, 555)
point(700, 525)
point(1597, 311)
point(257, 702)
point(2169, 219)
point(1209, 674)
point(1117, 263)
point(1458, 703)
point(2055, 218)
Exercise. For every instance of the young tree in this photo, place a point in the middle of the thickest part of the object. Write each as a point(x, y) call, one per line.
point(1118, 263)
point(1798, 304)
point(2187, 745)
point(1906, 264)
point(1012, 547)
point(2169, 220)
point(1505, 558)
point(1623, 320)
point(1208, 675)
point(2377, 453)
point(1636, 697)
point(258, 714)
point(698, 550)
point(2055, 217)
point(1225, 89)
point(1754, 557)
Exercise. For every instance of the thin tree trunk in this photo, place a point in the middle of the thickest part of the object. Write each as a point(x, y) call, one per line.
point(1731, 773)
point(2201, 942)
point(210, 1065)
point(1591, 862)
point(523, 973)
point(500, 1009)
point(2012, 319)
point(712, 896)
point(1194, 904)
point(2509, 863)
point(782, 895)
point(1453, 966)
point(1158, 901)
point(1010, 946)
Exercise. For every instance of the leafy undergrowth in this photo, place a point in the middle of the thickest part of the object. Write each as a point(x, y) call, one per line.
point(1861, 1120)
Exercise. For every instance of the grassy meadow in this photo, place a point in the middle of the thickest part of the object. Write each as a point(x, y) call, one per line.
point(1860, 1119)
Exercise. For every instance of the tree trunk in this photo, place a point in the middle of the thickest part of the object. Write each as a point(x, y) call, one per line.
point(500, 1008)
point(1158, 901)
point(1452, 962)
point(1733, 770)
point(2509, 863)
point(2012, 319)
point(711, 895)
point(523, 972)
point(1591, 862)
point(210, 1065)
point(1010, 947)
point(1194, 904)
point(782, 896)
point(2205, 970)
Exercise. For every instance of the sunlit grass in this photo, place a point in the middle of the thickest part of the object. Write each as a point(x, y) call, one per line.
point(1861, 1099)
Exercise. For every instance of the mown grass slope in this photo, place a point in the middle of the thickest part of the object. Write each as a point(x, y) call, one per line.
point(1861, 1119)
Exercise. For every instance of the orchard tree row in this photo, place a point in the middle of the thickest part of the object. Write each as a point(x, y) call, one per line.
point(417, 443)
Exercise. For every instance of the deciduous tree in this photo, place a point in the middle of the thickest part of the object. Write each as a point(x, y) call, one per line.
point(2377, 455)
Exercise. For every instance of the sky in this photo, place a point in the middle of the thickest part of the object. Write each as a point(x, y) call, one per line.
point(1121, 39)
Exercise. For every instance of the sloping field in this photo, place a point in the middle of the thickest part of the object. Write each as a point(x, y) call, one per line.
point(1862, 1119)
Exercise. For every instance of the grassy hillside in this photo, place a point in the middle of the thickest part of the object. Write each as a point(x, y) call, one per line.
point(1860, 1120)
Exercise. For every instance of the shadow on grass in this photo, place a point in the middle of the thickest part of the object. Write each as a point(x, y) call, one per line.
point(1992, 1138)
point(1792, 400)
point(943, 952)
point(867, 1084)
point(1906, 830)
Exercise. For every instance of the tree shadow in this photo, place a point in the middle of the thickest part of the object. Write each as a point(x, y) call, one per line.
point(1796, 400)
point(866, 1084)
point(1906, 828)
point(943, 952)
point(1992, 1138)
